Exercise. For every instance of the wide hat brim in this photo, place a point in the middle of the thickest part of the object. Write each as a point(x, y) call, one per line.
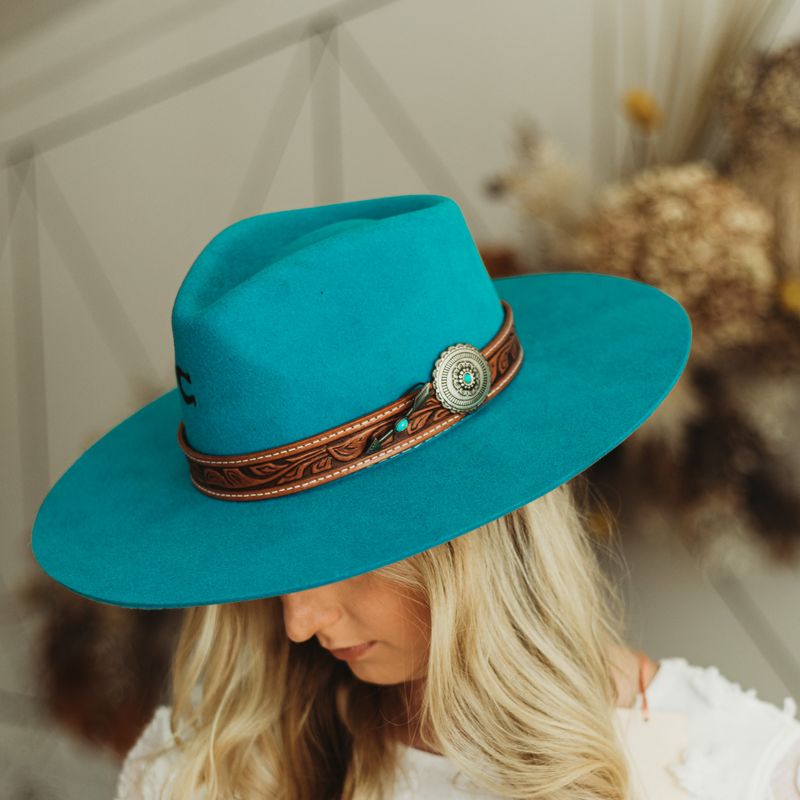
point(125, 525)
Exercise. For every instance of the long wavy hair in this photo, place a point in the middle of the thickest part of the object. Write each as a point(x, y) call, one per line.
point(519, 692)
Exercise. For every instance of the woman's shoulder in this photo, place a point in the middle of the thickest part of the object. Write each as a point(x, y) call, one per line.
point(738, 746)
point(150, 763)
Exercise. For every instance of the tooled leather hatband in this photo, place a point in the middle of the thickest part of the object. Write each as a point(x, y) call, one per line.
point(463, 379)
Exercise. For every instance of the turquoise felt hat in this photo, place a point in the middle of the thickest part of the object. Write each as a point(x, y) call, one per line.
point(321, 355)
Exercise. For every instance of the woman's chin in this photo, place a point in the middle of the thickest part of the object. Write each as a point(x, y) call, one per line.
point(373, 673)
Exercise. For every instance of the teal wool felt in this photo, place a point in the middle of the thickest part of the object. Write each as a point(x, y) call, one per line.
point(292, 323)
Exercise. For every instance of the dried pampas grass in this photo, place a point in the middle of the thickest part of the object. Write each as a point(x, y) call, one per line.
point(552, 197)
point(761, 103)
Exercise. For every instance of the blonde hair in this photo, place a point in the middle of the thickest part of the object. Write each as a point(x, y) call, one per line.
point(519, 692)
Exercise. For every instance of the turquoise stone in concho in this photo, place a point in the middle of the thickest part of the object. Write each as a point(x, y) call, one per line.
point(462, 378)
point(402, 425)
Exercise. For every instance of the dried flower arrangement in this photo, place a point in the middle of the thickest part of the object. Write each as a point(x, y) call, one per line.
point(668, 90)
point(760, 101)
point(719, 456)
point(697, 237)
point(715, 455)
point(103, 669)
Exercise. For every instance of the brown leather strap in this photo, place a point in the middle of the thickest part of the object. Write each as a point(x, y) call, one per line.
point(340, 451)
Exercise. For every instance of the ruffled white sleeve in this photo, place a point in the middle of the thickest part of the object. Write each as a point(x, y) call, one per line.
point(784, 783)
point(143, 777)
point(740, 748)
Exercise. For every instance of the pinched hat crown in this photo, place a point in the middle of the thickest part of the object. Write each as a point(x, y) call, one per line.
point(290, 324)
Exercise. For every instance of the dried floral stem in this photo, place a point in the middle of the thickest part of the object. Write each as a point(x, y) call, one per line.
point(738, 28)
point(688, 68)
point(604, 90)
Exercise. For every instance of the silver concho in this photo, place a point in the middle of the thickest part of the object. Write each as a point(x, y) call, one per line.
point(462, 378)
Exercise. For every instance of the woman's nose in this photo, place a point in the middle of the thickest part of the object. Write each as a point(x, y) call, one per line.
point(308, 612)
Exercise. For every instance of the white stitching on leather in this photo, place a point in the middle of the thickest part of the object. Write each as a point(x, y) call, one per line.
point(261, 457)
point(225, 462)
point(362, 462)
point(358, 464)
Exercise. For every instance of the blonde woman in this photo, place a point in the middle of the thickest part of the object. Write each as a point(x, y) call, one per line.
point(391, 592)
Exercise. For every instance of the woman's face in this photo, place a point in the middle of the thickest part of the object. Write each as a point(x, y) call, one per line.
point(365, 610)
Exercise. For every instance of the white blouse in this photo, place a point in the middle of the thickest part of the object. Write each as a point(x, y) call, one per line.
point(705, 739)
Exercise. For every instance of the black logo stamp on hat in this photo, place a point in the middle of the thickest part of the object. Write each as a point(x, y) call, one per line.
point(187, 398)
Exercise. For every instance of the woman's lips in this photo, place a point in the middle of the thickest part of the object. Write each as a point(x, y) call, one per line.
point(352, 653)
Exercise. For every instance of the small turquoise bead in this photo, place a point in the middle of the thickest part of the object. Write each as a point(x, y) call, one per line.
point(402, 425)
point(467, 378)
